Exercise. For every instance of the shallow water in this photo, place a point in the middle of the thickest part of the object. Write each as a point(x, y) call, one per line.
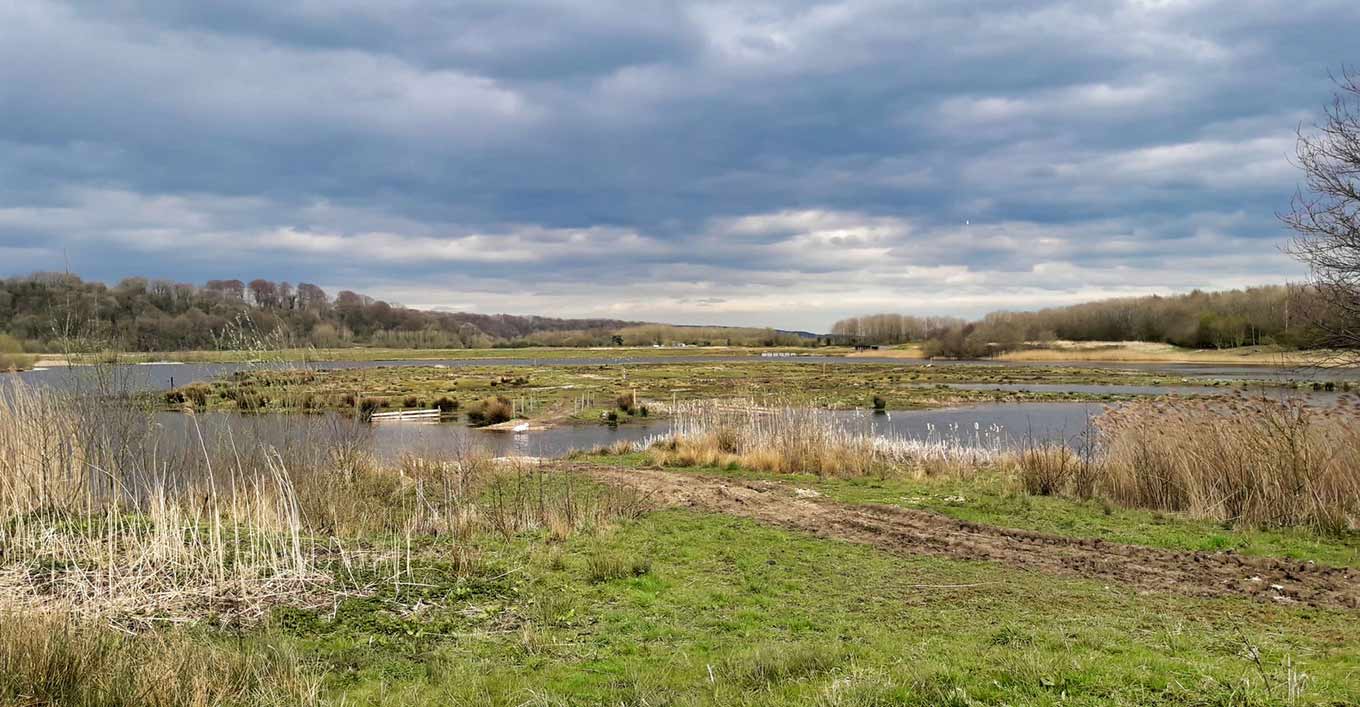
point(992, 425)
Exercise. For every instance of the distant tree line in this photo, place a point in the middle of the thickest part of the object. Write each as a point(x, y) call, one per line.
point(1281, 315)
point(141, 314)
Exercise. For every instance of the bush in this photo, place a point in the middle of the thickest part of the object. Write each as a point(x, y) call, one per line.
point(446, 404)
point(491, 411)
point(368, 406)
point(250, 402)
point(12, 356)
point(625, 402)
point(411, 401)
point(1048, 469)
point(195, 393)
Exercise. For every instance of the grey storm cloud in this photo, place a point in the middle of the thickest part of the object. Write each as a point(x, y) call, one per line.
point(778, 163)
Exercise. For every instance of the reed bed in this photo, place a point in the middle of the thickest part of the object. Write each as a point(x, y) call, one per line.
point(788, 439)
point(1242, 459)
point(104, 512)
point(91, 522)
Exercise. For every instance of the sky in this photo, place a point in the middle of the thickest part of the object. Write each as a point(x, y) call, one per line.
point(781, 163)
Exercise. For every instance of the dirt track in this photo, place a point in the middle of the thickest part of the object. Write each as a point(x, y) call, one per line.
point(1201, 574)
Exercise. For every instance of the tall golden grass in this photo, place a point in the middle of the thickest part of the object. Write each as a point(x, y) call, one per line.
point(1253, 460)
point(1256, 461)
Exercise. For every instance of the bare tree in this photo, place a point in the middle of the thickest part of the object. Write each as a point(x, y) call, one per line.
point(1325, 216)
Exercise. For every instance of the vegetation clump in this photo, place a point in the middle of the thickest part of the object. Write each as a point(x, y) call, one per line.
point(12, 356)
point(603, 567)
point(491, 411)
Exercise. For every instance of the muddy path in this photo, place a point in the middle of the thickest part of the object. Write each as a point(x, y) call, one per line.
point(913, 532)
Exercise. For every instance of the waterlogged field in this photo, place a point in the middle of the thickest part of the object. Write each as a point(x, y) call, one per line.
point(590, 393)
point(762, 552)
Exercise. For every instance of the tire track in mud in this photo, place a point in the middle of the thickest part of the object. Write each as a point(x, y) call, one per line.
point(914, 532)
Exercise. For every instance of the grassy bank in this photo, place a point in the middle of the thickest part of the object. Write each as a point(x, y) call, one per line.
point(1251, 474)
point(994, 495)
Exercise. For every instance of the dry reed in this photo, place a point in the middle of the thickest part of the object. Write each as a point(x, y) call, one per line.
point(90, 522)
point(105, 512)
point(1251, 460)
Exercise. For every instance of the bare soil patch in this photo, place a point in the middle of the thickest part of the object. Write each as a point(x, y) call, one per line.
point(906, 531)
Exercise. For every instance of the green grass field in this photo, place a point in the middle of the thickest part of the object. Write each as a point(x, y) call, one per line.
point(729, 612)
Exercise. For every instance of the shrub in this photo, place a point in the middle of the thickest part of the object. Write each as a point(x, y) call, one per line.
point(491, 411)
point(368, 406)
point(195, 393)
point(411, 401)
point(880, 403)
point(625, 402)
point(249, 402)
point(446, 404)
point(1048, 469)
point(12, 356)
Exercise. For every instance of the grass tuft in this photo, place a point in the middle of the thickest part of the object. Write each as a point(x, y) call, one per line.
point(604, 566)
